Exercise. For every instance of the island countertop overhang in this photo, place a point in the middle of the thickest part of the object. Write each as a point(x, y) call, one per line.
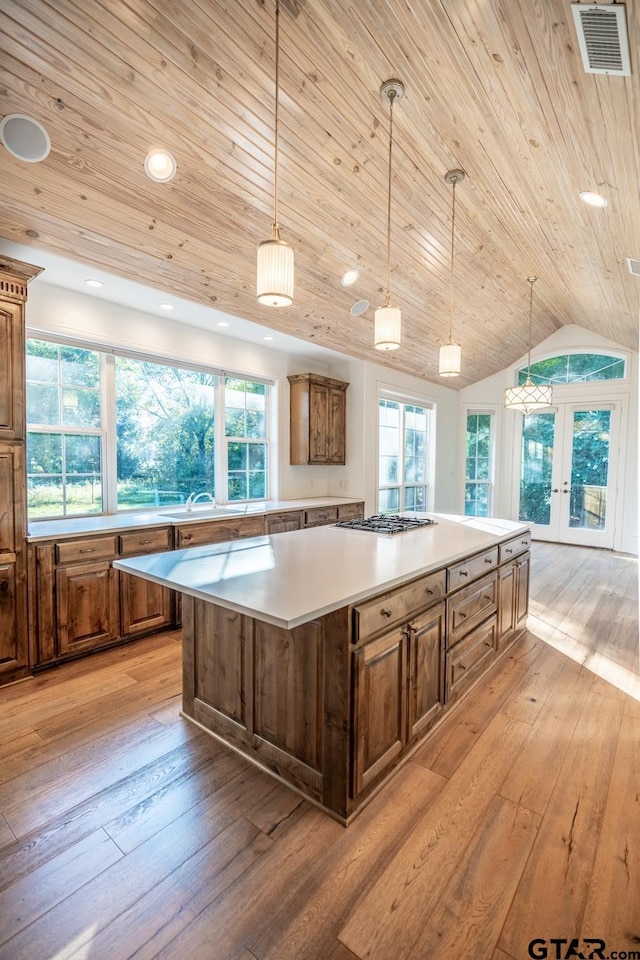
point(291, 578)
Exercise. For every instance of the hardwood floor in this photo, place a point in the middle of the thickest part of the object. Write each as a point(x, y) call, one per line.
point(126, 832)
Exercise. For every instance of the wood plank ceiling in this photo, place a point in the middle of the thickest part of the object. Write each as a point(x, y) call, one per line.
point(495, 87)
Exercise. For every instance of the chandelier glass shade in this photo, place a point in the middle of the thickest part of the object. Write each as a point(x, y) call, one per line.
point(275, 262)
point(388, 319)
point(528, 397)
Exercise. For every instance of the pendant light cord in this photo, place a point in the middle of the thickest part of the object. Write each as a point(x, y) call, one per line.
point(531, 280)
point(392, 96)
point(276, 225)
point(453, 227)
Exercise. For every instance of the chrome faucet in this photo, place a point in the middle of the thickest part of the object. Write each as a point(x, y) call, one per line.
point(193, 498)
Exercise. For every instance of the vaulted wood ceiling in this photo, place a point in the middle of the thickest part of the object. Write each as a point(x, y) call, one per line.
point(495, 87)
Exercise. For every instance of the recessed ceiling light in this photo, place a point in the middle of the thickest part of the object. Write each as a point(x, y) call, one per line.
point(160, 165)
point(93, 283)
point(222, 323)
point(166, 306)
point(593, 199)
point(349, 277)
point(24, 138)
point(267, 338)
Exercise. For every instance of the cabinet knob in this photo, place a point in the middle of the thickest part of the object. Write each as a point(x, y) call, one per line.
point(525, 543)
point(508, 550)
point(385, 613)
point(187, 538)
point(488, 560)
point(487, 644)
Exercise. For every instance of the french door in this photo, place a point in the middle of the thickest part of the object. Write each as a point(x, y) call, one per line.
point(568, 460)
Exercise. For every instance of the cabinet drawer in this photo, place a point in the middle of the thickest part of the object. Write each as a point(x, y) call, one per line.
point(469, 658)
point(347, 511)
point(468, 570)
point(219, 531)
point(513, 547)
point(319, 515)
point(283, 522)
point(470, 606)
point(397, 605)
point(145, 541)
point(93, 548)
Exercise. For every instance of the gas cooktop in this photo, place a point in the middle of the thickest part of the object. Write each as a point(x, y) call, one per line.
point(385, 523)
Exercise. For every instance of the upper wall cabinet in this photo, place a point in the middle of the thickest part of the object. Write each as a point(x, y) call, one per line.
point(11, 370)
point(318, 416)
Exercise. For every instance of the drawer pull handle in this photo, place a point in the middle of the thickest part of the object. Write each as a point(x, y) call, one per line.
point(487, 644)
point(385, 613)
point(463, 573)
point(462, 616)
point(525, 543)
point(187, 538)
point(508, 550)
point(430, 592)
point(488, 598)
point(86, 550)
point(488, 560)
point(461, 666)
point(142, 542)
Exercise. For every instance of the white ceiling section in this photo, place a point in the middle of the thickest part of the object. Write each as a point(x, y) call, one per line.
point(496, 88)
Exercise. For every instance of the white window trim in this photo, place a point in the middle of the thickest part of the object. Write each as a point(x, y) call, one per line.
point(396, 395)
point(495, 412)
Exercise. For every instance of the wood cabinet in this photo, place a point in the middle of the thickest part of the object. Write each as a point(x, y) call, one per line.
point(283, 522)
point(14, 648)
point(219, 531)
point(426, 669)
point(81, 604)
point(318, 419)
point(513, 589)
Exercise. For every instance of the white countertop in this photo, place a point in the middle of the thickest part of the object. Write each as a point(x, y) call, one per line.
point(106, 523)
point(290, 578)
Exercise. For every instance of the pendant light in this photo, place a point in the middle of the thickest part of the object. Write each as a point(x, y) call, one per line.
point(451, 353)
point(274, 280)
point(388, 319)
point(528, 396)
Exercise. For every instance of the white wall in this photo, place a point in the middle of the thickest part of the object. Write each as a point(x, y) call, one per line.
point(491, 392)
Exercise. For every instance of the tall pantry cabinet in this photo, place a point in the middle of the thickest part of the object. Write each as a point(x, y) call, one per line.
point(14, 659)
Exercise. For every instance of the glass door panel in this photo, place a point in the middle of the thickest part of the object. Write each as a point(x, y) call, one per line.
point(589, 469)
point(536, 468)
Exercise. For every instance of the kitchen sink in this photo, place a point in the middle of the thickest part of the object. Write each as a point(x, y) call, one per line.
point(203, 513)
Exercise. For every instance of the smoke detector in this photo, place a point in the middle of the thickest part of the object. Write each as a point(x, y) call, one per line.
point(602, 36)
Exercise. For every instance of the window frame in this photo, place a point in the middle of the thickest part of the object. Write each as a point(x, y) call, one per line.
point(107, 392)
point(476, 410)
point(404, 400)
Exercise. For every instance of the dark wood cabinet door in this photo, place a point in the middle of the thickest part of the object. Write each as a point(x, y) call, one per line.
point(87, 606)
point(426, 676)
point(506, 603)
point(337, 427)
point(523, 566)
point(319, 423)
point(144, 605)
point(12, 622)
point(11, 371)
point(379, 707)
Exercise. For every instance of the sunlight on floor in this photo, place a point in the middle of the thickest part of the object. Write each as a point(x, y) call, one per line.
point(79, 948)
point(603, 666)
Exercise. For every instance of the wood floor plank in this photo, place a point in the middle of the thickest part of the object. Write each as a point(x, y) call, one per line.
point(269, 813)
point(499, 954)
point(13, 744)
point(473, 905)
point(26, 900)
point(531, 779)
point(613, 904)
point(96, 774)
point(410, 886)
point(553, 890)
point(171, 904)
point(307, 925)
point(7, 835)
point(116, 889)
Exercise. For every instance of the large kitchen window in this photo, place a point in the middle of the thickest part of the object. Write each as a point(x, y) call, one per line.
point(478, 464)
point(109, 432)
point(403, 454)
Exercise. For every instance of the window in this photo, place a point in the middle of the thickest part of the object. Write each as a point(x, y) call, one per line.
point(575, 368)
point(477, 479)
point(403, 472)
point(64, 434)
point(109, 432)
point(246, 431)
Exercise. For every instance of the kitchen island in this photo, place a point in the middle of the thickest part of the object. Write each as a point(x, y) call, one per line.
point(326, 655)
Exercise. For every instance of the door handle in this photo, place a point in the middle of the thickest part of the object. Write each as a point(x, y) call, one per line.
point(555, 490)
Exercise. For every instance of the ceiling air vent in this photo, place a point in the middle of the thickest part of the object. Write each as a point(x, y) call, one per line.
point(602, 35)
point(634, 266)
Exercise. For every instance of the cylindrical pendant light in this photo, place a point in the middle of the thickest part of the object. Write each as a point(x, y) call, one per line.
point(450, 360)
point(528, 396)
point(275, 266)
point(388, 319)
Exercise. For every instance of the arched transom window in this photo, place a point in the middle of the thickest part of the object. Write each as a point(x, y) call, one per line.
point(575, 368)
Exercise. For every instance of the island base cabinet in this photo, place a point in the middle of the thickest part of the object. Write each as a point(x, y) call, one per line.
point(469, 658)
point(379, 707)
point(513, 599)
point(426, 669)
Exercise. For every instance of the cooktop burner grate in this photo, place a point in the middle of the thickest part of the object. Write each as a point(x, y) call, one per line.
point(385, 523)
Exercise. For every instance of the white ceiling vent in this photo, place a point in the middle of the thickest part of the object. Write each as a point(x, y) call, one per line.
point(634, 266)
point(602, 35)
